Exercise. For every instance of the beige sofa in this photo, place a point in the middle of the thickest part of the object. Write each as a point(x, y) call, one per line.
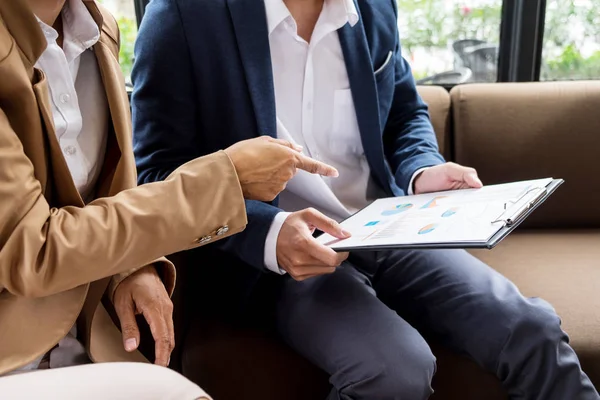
point(508, 132)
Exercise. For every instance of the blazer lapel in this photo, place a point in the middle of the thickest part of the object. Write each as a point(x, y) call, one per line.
point(250, 25)
point(116, 135)
point(109, 68)
point(364, 93)
point(118, 170)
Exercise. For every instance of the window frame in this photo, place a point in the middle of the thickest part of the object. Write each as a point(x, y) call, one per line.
point(140, 8)
point(521, 40)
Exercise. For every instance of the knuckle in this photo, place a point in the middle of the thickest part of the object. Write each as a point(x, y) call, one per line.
point(296, 261)
point(311, 211)
point(290, 157)
point(304, 242)
point(128, 328)
point(332, 263)
point(289, 174)
point(311, 167)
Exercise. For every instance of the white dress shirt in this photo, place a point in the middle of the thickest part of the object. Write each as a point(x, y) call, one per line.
point(79, 105)
point(80, 114)
point(315, 109)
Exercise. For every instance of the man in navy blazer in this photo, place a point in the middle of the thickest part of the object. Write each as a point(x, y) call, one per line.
point(329, 75)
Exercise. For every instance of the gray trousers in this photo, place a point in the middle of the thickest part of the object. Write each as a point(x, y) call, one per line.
point(358, 325)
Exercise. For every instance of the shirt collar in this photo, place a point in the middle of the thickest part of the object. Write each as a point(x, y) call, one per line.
point(80, 31)
point(277, 12)
point(351, 12)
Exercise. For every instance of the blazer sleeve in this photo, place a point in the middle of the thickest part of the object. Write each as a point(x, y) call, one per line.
point(166, 131)
point(409, 139)
point(46, 250)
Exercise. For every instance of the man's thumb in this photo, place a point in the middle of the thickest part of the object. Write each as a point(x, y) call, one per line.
point(472, 179)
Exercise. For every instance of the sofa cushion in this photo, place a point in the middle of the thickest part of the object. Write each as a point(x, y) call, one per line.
point(534, 130)
point(438, 100)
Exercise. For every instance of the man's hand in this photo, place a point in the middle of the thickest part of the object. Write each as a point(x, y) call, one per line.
point(447, 176)
point(299, 253)
point(264, 166)
point(144, 293)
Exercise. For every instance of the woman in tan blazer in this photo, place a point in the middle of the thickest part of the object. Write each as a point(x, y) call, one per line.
point(77, 238)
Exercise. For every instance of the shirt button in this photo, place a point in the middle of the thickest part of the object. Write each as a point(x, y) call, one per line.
point(70, 150)
point(64, 98)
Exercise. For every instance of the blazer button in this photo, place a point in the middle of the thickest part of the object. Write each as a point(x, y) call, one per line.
point(222, 230)
point(203, 239)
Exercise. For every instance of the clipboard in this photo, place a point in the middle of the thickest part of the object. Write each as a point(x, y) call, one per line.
point(511, 218)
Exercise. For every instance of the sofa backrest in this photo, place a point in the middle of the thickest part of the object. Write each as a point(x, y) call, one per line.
point(438, 100)
point(517, 131)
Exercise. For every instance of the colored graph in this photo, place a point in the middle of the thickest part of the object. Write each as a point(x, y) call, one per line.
point(427, 229)
point(372, 223)
point(397, 210)
point(450, 212)
point(433, 202)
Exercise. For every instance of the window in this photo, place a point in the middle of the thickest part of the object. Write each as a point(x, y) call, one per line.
point(124, 12)
point(571, 40)
point(451, 41)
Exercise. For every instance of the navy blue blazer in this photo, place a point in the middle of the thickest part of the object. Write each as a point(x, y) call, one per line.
point(203, 81)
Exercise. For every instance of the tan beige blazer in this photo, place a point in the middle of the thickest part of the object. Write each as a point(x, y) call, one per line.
point(51, 246)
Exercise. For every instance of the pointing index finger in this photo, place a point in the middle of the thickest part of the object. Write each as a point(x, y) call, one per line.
point(315, 167)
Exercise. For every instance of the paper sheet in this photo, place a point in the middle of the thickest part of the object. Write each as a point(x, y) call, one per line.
point(321, 195)
point(444, 217)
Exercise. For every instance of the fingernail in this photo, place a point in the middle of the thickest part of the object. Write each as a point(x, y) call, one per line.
point(345, 233)
point(334, 173)
point(476, 179)
point(130, 344)
point(298, 147)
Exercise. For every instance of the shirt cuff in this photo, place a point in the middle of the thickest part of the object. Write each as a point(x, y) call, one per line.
point(411, 185)
point(271, 243)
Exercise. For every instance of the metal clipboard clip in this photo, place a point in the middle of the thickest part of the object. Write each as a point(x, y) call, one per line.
point(510, 216)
